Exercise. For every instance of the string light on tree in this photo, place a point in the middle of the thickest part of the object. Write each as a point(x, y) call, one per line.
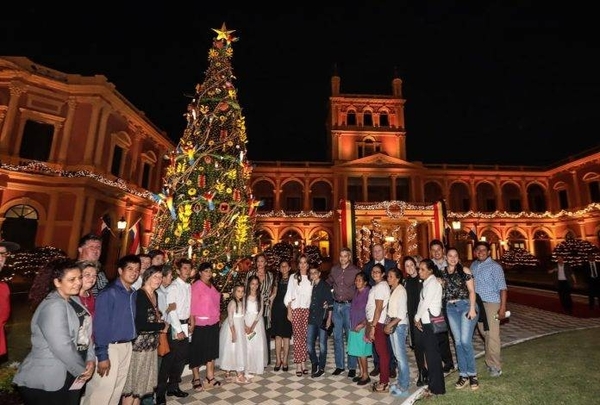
point(206, 208)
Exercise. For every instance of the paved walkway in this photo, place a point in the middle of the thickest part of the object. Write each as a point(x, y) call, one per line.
point(280, 387)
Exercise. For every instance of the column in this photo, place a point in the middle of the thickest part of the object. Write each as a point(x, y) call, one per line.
point(13, 104)
point(102, 136)
point(524, 197)
point(50, 220)
point(365, 184)
point(91, 142)
point(306, 206)
point(67, 132)
point(576, 190)
point(499, 201)
point(473, 195)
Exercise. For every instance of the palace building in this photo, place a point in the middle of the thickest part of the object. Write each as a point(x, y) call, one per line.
point(75, 153)
point(533, 208)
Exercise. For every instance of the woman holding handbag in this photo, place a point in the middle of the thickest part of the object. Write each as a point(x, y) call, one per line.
point(430, 302)
point(142, 377)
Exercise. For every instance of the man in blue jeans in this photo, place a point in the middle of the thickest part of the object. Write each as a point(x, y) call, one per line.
point(341, 279)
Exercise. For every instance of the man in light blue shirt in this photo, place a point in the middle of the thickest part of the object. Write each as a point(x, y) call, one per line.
point(490, 284)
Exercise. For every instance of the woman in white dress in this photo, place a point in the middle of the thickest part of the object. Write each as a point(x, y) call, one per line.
point(256, 356)
point(232, 338)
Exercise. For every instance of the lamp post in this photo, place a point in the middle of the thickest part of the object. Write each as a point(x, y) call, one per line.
point(121, 225)
point(456, 228)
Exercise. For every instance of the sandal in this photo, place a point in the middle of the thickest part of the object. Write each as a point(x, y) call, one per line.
point(197, 385)
point(298, 373)
point(378, 387)
point(241, 379)
point(212, 382)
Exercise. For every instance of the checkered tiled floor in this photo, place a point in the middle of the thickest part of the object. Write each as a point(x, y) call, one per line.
point(285, 388)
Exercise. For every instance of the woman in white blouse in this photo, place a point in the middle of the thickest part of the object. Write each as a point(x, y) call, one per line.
point(431, 301)
point(376, 309)
point(297, 301)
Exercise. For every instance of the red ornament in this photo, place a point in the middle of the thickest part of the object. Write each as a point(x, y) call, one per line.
point(201, 181)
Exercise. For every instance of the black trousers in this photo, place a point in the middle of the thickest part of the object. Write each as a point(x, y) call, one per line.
point(594, 291)
point(34, 396)
point(172, 365)
point(431, 348)
point(417, 346)
point(564, 294)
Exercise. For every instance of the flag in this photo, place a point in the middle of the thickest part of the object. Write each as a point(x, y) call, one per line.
point(348, 226)
point(441, 228)
point(134, 237)
point(103, 226)
point(473, 233)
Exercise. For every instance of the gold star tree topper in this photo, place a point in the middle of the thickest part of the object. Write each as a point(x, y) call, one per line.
point(224, 34)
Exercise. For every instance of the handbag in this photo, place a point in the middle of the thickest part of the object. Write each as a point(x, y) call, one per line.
point(388, 320)
point(438, 322)
point(163, 345)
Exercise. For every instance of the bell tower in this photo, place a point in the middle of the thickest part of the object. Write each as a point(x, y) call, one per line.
point(359, 125)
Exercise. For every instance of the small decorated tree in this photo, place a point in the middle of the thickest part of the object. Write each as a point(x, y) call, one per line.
point(518, 258)
point(206, 209)
point(575, 251)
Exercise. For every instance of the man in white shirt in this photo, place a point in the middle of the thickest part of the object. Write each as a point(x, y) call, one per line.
point(146, 262)
point(179, 293)
point(564, 276)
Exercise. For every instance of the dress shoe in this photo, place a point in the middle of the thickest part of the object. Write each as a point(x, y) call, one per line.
point(338, 371)
point(374, 372)
point(161, 401)
point(319, 373)
point(363, 382)
point(351, 373)
point(178, 393)
point(448, 367)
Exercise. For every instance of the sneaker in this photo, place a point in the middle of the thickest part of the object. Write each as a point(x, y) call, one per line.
point(397, 392)
point(495, 372)
point(351, 373)
point(461, 383)
point(338, 371)
point(474, 382)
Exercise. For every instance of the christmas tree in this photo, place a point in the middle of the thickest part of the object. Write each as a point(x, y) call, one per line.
point(206, 209)
point(575, 251)
point(518, 257)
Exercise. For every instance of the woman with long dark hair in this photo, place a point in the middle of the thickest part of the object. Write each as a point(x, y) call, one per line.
point(430, 303)
point(62, 355)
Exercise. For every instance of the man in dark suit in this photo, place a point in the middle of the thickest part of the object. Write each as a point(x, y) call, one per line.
point(378, 256)
point(592, 268)
point(565, 282)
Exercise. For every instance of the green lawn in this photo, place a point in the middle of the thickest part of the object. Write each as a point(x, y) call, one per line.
point(556, 369)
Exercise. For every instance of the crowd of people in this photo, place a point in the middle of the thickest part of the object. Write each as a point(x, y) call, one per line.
point(94, 345)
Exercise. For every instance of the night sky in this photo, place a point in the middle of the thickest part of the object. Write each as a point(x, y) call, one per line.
point(484, 84)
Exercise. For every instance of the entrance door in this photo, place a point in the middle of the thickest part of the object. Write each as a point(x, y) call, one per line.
point(20, 226)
